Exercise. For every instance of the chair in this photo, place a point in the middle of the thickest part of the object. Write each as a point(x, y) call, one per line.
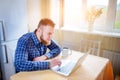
point(91, 46)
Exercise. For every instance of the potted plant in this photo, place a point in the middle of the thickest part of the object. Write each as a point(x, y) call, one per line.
point(91, 15)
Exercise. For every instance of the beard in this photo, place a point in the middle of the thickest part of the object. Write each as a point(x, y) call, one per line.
point(44, 41)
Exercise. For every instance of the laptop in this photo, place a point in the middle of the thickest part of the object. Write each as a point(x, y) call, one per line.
point(69, 66)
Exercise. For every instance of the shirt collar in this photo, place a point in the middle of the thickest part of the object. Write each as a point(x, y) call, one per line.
point(34, 37)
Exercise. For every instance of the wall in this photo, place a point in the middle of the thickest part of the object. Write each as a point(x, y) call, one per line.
point(45, 8)
point(33, 13)
point(72, 40)
point(36, 10)
point(13, 14)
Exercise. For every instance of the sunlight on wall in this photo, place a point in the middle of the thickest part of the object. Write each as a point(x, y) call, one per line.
point(55, 12)
point(33, 12)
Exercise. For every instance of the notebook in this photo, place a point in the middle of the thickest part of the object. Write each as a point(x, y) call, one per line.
point(69, 66)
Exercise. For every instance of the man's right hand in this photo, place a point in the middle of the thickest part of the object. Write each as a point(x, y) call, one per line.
point(55, 62)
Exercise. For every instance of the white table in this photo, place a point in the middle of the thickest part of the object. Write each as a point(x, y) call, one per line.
point(93, 68)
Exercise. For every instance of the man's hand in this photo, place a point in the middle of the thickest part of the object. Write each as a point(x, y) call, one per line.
point(55, 62)
point(41, 58)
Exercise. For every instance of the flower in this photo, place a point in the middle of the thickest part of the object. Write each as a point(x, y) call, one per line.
point(92, 14)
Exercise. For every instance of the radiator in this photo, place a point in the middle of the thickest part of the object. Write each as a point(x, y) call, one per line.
point(114, 57)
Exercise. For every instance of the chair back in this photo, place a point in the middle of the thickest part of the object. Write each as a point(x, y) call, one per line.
point(90, 45)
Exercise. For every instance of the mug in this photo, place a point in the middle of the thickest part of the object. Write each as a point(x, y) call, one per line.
point(66, 52)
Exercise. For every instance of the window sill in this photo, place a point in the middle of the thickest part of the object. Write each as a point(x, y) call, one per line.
point(94, 32)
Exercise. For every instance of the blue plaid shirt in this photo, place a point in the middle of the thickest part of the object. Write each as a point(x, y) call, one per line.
point(28, 47)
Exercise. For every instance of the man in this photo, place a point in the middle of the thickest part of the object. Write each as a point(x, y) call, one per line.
point(30, 54)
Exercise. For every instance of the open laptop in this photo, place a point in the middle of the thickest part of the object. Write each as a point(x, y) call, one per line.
point(68, 66)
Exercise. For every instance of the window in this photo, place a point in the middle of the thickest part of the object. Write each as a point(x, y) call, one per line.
point(74, 16)
point(72, 13)
point(117, 20)
point(100, 21)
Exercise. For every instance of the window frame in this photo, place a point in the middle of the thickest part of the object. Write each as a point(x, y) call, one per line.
point(109, 22)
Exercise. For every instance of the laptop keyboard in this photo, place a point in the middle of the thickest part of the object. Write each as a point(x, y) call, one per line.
point(67, 68)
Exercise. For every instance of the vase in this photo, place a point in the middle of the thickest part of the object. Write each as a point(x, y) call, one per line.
point(90, 27)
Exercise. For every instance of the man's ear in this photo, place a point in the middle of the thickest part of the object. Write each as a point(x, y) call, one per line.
point(39, 29)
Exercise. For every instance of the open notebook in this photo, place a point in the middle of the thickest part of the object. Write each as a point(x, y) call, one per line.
point(68, 66)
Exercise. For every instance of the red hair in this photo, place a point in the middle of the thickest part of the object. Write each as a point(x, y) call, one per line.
point(46, 22)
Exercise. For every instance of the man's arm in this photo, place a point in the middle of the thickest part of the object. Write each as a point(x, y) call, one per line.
point(41, 58)
point(21, 60)
point(54, 50)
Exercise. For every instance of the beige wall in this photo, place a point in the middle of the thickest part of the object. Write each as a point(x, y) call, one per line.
point(45, 8)
point(33, 13)
point(36, 10)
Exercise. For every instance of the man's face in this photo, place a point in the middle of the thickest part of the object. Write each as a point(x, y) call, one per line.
point(47, 33)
